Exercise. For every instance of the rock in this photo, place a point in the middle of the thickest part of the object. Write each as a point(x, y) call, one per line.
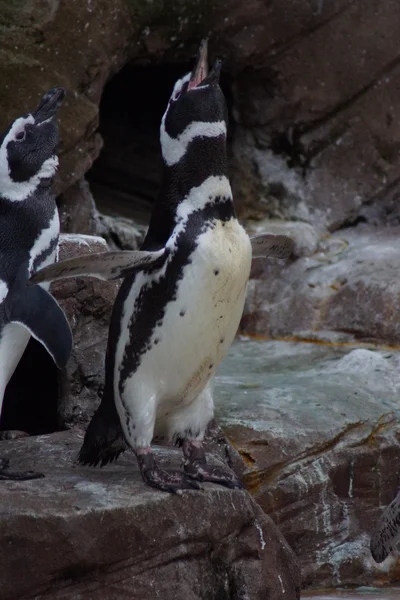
point(317, 143)
point(348, 287)
point(318, 430)
point(101, 533)
point(305, 237)
point(87, 303)
point(77, 210)
point(120, 233)
point(52, 43)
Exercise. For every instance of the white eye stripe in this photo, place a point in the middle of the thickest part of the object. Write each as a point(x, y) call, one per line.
point(178, 86)
point(17, 127)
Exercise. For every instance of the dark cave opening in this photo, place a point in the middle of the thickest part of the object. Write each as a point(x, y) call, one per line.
point(126, 177)
point(30, 401)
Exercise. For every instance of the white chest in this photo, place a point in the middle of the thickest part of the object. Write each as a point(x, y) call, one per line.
point(200, 324)
point(43, 241)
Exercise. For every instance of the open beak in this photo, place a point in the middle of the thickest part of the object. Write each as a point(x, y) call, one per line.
point(49, 105)
point(200, 71)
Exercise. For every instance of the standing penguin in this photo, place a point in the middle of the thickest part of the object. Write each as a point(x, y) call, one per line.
point(174, 321)
point(179, 307)
point(29, 230)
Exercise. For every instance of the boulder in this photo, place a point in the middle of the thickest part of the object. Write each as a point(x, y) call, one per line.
point(318, 429)
point(77, 210)
point(313, 99)
point(349, 287)
point(102, 534)
point(87, 303)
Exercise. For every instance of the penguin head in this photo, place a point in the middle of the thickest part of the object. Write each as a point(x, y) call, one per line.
point(196, 108)
point(28, 148)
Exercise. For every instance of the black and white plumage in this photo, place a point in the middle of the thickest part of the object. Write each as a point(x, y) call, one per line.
point(176, 316)
point(387, 533)
point(29, 230)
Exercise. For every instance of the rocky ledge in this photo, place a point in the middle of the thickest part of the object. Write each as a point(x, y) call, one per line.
point(318, 429)
point(102, 534)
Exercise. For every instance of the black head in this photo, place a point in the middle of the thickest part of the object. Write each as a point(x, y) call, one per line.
point(28, 148)
point(196, 109)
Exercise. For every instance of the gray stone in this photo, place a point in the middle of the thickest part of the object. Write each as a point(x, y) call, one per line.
point(119, 232)
point(317, 427)
point(349, 286)
point(102, 534)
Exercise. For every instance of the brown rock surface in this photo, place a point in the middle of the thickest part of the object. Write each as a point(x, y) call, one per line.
point(87, 303)
point(74, 44)
point(104, 535)
point(318, 429)
point(313, 91)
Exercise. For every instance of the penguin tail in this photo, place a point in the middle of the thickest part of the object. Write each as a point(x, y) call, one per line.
point(104, 439)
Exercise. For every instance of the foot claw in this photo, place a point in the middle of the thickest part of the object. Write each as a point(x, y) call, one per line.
point(196, 467)
point(173, 481)
point(214, 475)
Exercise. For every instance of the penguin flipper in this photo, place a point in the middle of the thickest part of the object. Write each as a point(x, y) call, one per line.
point(387, 532)
point(103, 265)
point(37, 310)
point(268, 244)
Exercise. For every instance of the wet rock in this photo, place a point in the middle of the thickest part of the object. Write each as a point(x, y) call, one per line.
point(101, 533)
point(348, 287)
point(318, 429)
point(87, 303)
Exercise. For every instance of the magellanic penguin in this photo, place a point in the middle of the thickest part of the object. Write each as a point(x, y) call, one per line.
point(29, 230)
point(178, 311)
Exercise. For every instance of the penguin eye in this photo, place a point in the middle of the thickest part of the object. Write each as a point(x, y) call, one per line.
point(20, 136)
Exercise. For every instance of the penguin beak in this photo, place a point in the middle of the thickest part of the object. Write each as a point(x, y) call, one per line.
point(200, 70)
point(49, 105)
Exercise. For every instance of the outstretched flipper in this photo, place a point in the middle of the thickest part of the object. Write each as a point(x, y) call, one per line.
point(103, 265)
point(387, 532)
point(268, 244)
point(36, 310)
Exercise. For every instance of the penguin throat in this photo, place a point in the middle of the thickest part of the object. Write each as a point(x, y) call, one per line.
point(18, 191)
point(210, 191)
point(175, 148)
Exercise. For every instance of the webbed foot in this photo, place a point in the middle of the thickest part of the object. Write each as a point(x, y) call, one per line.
point(196, 467)
point(167, 481)
point(5, 474)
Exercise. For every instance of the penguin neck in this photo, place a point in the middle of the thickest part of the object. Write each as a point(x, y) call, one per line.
point(198, 179)
point(20, 191)
point(43, 190)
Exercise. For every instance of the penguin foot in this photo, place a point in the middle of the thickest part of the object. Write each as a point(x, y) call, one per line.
point(196, 467)
point(5, 474)
point(167, 481)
